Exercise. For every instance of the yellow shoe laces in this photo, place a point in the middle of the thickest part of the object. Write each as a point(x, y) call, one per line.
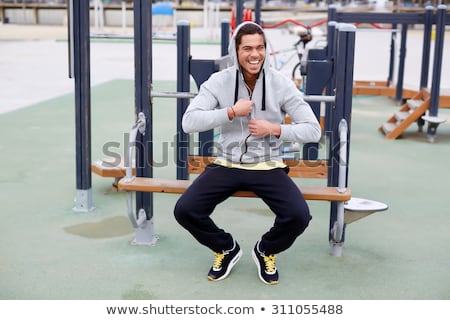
point(218, 258)
point(269, 261)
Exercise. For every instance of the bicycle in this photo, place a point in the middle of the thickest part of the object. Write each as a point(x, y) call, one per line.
point(282, 58)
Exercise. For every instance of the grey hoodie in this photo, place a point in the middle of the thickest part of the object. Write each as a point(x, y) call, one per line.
point(274, 96)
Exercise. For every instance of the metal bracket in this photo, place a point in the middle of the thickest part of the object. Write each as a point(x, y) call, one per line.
point(140, 126)
point(145, 233)
point(83, 201)
point(337, 231)
point(433, 123)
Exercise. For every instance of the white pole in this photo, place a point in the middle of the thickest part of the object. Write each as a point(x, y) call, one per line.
point(96, 15)
point(205, 14)
point(101, 15)
point(124, 16)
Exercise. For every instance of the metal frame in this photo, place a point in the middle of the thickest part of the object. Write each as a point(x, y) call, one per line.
point(79, 46)
point(340, 52)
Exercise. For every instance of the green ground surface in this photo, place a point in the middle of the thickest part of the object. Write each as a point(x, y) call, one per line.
point(50, 252)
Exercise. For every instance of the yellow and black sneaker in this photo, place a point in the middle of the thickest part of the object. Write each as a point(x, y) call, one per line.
point(223, 263)
point(267, 270)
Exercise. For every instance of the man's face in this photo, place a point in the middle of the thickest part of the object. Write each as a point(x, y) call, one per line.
point(251, 53)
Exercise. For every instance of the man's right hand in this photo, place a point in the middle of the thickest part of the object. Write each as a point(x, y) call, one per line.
point(243, 107)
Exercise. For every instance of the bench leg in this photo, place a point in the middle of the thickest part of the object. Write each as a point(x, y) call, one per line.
point(83, 201)
point(115, 184)
point(145, 233)
point(337, 232)
point(336, 249)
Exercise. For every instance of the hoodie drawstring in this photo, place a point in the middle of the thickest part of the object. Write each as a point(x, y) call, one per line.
point(236, 87)
point(236, 90)
point(263, 102)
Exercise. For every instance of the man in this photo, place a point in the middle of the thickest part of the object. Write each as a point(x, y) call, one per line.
point(248, 102)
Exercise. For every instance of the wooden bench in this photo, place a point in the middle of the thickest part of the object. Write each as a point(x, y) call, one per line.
point(298, 168)
point(107, 168)
point(196, 164)
point(179, 186)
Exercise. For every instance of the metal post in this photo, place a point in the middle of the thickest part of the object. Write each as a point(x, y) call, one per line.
point(258, 11)
point(183, 85)
point(331, 53)
point(331, 30)
point(437, 60)
point(81, 64)
point(224, 36)
point(433, 119)
point(427, 29)
point(390, 78)
point(401, 65)
point(343, 107)
point(344, 79)
point(319, 76)
point(239, 12)
point(143, 104)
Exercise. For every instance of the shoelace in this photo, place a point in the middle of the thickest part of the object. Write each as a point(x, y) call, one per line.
point(269, 261)
point(218, 258)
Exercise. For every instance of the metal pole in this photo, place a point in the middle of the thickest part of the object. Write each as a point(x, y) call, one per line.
point(401, 65)
point(224, 37)
point(258, 11)
point(81, 60)
point(344, 79)
point(343, 107)
point(331, 54)
point(331, 30)
point(183, 85)
point(390, 78)
point(427, 29)
point(437, 61)
point(143, 79)
point(239, 11)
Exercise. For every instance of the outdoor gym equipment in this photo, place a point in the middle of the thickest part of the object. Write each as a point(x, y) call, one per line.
point(335, 168)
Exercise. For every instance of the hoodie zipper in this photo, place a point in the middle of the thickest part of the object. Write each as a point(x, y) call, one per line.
point(250, 93)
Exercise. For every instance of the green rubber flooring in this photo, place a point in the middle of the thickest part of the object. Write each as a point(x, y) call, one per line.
point(48, 251)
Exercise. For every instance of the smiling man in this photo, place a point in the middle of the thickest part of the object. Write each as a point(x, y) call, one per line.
point(248, 102)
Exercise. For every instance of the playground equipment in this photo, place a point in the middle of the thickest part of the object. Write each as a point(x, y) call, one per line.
point(336, 192)
point(139, 178)
point(418, 102)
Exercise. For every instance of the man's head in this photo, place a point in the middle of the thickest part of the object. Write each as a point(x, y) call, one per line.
point(250, 49)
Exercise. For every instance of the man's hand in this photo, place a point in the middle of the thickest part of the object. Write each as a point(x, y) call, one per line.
point(262, 128)
point(243, 108)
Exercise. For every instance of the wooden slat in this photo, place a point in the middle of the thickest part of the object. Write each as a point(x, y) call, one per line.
point(298, 168)
point(307, 168)
point(179, 186)
point(288, 120)
point(196, 164)
point(107, 169)
point(379, 88)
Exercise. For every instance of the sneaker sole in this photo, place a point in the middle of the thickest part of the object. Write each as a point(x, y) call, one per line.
point(230, 266)
point(255, 258)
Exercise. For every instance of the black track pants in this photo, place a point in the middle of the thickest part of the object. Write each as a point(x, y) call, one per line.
point(217, 183)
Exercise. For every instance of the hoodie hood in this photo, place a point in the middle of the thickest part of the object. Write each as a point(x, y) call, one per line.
point(232, 46)
point(233, 54)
